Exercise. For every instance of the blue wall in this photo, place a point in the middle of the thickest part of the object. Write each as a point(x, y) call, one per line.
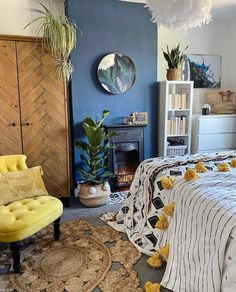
point(114, 26)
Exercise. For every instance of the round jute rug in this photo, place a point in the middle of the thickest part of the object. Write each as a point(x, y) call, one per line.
point(79, 262)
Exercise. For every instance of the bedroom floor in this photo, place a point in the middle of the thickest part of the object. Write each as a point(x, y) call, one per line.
point(76, 210)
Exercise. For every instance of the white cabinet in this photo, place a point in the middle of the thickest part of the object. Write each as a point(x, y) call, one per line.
point(213, 133)
point(174, 114)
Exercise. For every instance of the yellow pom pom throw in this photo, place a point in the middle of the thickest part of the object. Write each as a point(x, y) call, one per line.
point(167, 182)
point(164, 252)
point(191, 174)
point(169, 209)
point(223, 167)
point(155, 261)
point(233, 163)
point(162, 224)
point(200, 167)
point(150, 287)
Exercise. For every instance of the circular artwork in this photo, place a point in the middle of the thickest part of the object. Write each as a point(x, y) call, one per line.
point(116, 73)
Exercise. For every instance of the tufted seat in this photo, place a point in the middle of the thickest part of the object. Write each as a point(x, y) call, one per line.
point(12, 163)
point(23, 218)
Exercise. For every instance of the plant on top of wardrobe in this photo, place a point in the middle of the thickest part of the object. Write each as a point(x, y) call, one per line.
point(58, 36)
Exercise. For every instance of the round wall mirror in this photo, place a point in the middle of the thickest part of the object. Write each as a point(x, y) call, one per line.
point(116, 73)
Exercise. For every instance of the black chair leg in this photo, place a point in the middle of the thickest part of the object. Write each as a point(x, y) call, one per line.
point(15, 248)
point(57, 232)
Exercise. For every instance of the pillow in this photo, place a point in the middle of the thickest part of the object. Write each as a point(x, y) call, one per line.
point(22, 184)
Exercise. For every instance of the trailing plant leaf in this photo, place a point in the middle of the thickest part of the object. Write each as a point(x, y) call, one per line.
point(174, 57)
point(58, 36)
point(93, 167)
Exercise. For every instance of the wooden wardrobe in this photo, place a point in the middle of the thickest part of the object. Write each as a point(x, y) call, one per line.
point(33, 111)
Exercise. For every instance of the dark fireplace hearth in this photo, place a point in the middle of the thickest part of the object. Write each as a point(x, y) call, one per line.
point(124, 159)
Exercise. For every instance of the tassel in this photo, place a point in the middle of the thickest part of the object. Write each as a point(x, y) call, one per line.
point(169, 209)
point(233, 163)
point(162, 224)
point(167, 182)
point(155, 261)
point(164, 252)
point(200, 167)
point(150, 287)
point(191, 174)
point(223, 167)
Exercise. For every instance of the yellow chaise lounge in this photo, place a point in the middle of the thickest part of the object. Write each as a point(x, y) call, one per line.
point(22, 218)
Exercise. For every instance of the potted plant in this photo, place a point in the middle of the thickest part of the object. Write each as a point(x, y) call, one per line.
point(95, 190)
point(174, 59)
point(58, 36)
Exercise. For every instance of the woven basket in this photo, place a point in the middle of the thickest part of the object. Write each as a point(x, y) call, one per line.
point(176, 150)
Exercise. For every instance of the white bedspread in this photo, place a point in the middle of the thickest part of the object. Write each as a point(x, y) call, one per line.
point(202, 233)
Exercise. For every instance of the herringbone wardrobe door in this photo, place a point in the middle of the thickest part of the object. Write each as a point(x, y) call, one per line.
point(44, 118)
point(10, 131)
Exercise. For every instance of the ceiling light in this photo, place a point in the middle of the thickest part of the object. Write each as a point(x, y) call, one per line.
point(180, 14)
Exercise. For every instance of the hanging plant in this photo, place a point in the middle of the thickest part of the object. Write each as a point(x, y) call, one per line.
point(58, 36)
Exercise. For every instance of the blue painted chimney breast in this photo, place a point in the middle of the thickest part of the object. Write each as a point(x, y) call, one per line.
point(114, 26)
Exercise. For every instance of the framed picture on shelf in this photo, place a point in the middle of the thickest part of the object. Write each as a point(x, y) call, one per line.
point(140, 118)
point(205, 70)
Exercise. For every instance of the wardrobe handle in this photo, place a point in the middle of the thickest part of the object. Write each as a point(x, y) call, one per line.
point(26, 124)
point(13, 124)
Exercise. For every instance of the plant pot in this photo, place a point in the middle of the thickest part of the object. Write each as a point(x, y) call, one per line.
point(174, 74)
point(94, 195)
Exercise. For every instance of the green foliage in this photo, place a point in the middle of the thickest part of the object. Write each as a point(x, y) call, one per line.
point(95, 151)
point(59, 36)
point(174, 57)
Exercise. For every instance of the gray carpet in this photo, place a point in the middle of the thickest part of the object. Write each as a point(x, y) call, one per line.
point(76, 210)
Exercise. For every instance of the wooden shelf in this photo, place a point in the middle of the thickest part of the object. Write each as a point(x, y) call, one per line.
point(171, 136)
point(179, 110)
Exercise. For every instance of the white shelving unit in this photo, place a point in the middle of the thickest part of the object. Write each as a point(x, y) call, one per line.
point(168, 131)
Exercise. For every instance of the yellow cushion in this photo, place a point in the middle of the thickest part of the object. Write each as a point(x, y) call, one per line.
point(12, 163)
point(20, 185)
point(23, 218)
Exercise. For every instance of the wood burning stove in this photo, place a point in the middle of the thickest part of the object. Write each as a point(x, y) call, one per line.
point(127, 154)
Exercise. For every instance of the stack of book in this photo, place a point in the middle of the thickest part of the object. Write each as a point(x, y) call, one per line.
point(177, 125)
point(178, 101)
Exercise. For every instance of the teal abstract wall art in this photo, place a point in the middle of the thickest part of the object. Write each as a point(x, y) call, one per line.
point(116, 73)
point(205, 70)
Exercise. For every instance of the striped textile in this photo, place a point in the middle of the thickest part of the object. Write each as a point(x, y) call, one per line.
point(202, 233)
point(204, 219)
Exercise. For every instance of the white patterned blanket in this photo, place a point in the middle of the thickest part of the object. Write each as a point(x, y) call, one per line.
point(202, 232)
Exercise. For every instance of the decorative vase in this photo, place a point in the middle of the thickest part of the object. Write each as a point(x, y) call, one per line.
point(174, 74)
point(186, 70)
point(94, 195)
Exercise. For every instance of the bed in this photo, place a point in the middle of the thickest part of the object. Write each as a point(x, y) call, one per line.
point(202, 232)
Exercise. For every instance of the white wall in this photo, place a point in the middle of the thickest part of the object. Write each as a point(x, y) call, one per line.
point(15, 15)
point(217, 38)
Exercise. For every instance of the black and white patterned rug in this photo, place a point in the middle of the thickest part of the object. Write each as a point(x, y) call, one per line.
point(117, 197)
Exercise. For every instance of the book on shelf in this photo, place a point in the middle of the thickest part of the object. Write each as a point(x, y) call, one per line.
point(177, 125)
point(178, 101)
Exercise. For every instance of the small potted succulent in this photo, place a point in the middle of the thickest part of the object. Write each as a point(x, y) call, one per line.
point(174, 58)
point(95, 190)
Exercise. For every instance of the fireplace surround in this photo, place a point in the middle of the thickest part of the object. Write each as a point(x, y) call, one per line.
point(126, 155)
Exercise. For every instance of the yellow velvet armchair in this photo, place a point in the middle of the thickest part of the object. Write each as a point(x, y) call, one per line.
point(21, 219)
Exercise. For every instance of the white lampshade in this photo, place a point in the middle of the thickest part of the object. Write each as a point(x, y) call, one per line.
point(180, 14)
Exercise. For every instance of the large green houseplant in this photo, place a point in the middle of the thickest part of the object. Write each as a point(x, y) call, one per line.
point(95, 189)
point(174, 58)
point(58, 36)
